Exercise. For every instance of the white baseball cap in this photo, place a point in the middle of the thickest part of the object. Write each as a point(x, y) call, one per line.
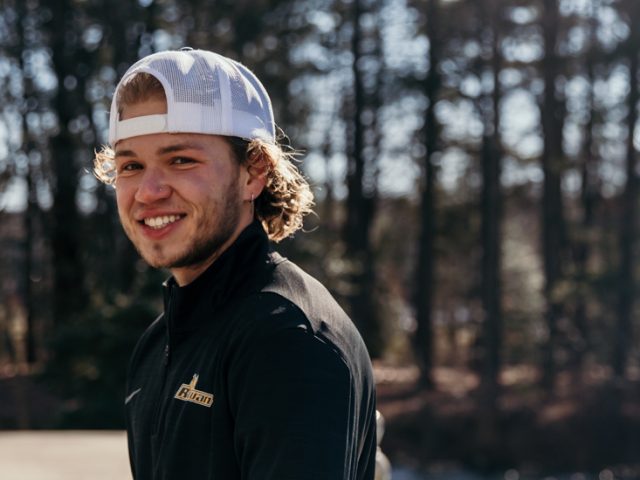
point(206, 93)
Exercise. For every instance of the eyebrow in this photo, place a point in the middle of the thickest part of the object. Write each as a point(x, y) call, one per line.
point(164, 150)
point(124, 153)
point(178, 147)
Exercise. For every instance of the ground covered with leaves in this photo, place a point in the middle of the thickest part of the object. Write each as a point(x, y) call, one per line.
point(590, 425)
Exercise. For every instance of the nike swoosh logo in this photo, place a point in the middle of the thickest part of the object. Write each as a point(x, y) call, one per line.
point(131, 395)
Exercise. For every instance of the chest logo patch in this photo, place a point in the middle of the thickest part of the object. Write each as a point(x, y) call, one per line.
point(188, 393)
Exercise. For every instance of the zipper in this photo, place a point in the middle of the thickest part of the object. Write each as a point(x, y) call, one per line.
point(166, 360)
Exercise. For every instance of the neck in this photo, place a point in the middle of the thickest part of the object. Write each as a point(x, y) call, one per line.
point(186, 275)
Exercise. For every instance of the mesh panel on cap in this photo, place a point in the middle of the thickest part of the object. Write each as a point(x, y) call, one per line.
point(192, 79)
point(240, 97)
point(206, 93)
point(257, 100)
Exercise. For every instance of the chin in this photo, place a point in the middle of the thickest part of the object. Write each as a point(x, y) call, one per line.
point(171, 262)
point(159, 261)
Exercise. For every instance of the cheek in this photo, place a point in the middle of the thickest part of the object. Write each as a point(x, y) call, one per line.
point(211, 186)
point(124, 196)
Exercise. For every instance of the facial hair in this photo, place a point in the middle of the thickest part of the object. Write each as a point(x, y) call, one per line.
point(207, 247)
point(219, 223)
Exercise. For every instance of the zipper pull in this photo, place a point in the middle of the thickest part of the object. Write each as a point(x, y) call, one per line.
point(166, 354)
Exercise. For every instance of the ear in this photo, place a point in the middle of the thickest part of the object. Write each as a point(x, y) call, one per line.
point(257, 169)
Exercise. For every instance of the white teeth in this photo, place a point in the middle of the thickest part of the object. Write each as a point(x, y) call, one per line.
point(160, 222)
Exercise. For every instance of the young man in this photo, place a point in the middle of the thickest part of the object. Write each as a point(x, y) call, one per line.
point(253, 371)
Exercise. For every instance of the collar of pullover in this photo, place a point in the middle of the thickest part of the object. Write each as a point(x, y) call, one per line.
point(237, 271)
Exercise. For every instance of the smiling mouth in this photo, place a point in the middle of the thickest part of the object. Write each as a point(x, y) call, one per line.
point(160, 222)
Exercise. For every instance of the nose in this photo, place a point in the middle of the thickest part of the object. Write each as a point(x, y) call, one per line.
point(153, 187)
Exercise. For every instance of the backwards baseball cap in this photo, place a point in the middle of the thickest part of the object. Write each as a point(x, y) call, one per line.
point(206, 93)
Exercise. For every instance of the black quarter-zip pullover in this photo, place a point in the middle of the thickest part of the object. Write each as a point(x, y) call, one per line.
point(253, 372)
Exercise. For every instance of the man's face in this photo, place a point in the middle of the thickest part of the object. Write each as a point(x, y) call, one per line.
point(180, 196)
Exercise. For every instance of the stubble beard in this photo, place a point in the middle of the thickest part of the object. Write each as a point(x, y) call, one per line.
point(210, 237)
point(207, 246)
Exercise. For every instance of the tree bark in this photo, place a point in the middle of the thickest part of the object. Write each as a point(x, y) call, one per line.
point(361, 205)
point(32, 210)
point(121, 47)
point(423, 340)
point(491, 228)
point(68, 292)
point(626, 286)
point(588, 198)
point(553, 223)
point(489, 33)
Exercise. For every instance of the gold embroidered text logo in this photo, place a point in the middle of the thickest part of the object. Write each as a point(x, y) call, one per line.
point(188, 393)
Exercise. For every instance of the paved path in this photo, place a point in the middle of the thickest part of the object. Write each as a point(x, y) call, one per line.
point(63, 455)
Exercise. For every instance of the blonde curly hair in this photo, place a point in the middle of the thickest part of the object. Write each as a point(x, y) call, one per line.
point(286, 198)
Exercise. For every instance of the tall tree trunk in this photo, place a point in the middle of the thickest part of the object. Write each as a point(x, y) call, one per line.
point(423, 296)
point(123, 42)
point(31, 213)
point(553, 244)
point(68, 292)
point(588, 198)
point(491, 229)
point(360, 206)
point(32, 210)
point(356, 221)
point(491, 209)
point(626, 286)
point(329, 203)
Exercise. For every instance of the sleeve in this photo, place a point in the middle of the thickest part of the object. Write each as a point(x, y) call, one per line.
point(293, 400)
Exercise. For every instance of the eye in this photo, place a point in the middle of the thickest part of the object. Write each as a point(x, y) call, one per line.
point(182, 160)
point(130, 166)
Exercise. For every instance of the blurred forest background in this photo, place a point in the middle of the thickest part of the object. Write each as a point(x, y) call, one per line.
point(477, 181)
